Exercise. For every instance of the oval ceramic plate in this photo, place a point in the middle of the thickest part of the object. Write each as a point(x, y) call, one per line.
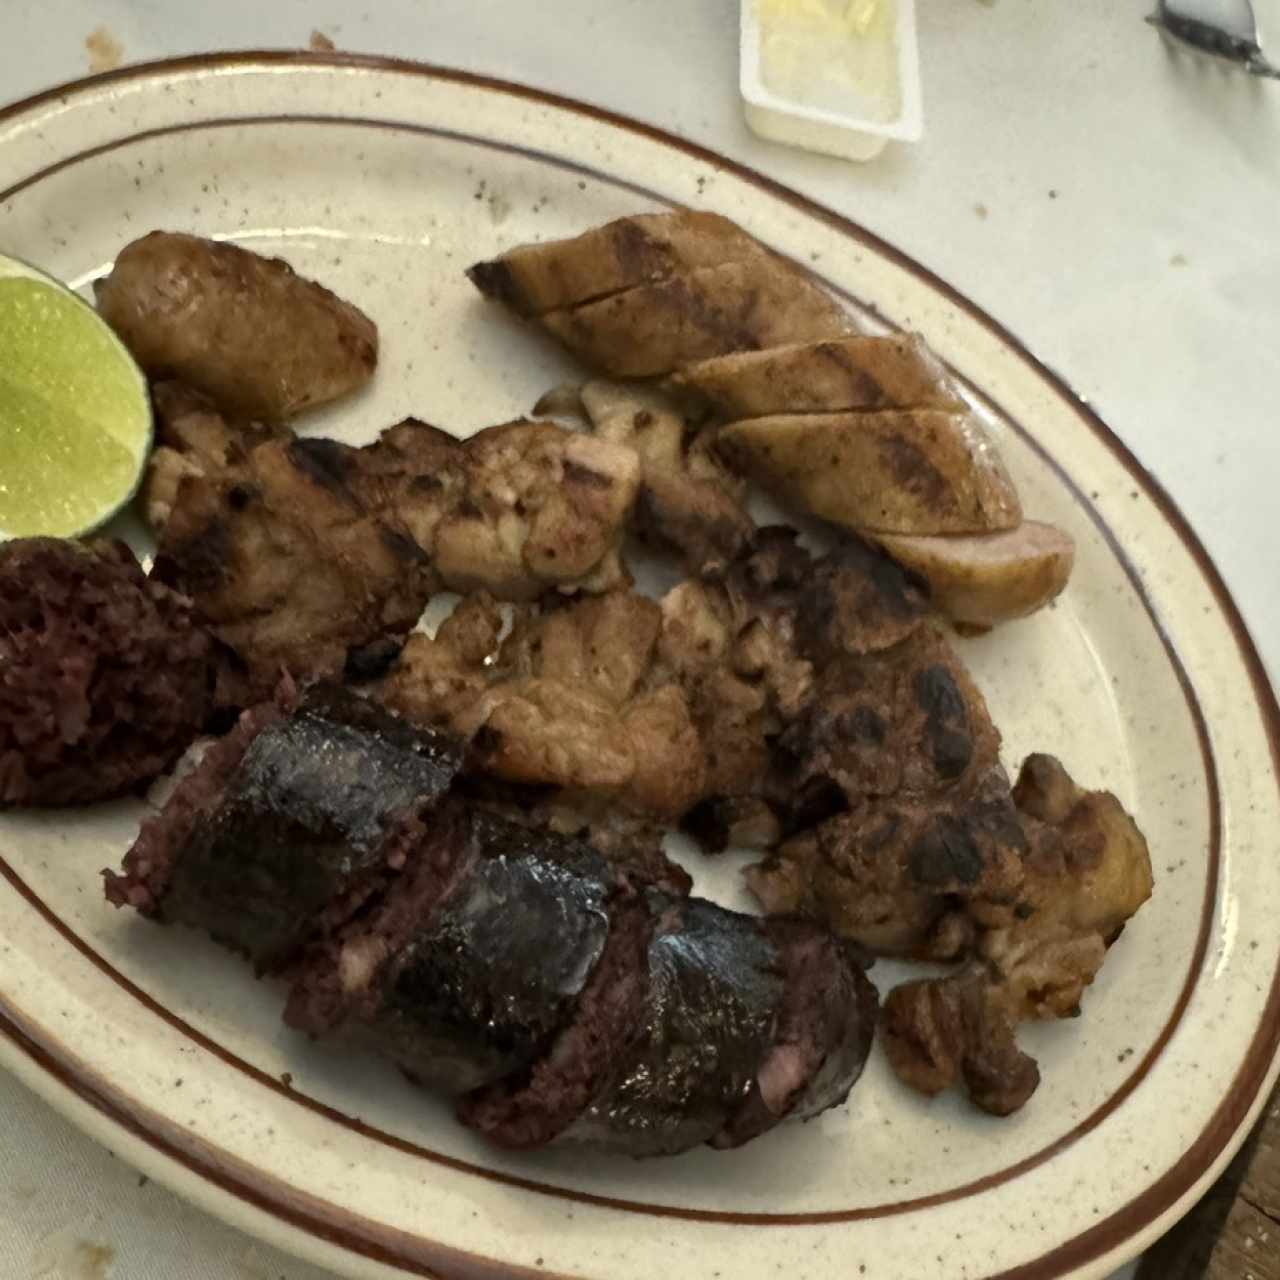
point(385, 181)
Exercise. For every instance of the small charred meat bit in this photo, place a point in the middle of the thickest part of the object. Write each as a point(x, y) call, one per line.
point(938, 1031)
point(244, 329)
point(193, 438)
point(689, 502)
point(1086, 872)
point(470, 981)
point(288, 825)
point(104, 677)
point(514, 510)
point(632, 844)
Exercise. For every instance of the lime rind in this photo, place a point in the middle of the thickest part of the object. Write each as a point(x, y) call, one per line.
point(75, 416)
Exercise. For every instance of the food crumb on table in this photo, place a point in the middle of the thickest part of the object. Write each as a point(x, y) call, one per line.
point(105, 52)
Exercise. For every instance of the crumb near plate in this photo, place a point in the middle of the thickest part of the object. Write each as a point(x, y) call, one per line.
point(105, 52)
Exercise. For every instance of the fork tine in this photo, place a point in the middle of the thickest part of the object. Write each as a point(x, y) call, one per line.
point(1204, 37)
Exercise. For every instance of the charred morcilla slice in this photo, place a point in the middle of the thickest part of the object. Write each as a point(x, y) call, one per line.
point(462, 980)
point(288, 825)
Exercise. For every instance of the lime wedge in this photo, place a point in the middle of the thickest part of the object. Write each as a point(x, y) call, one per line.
point(75, 417)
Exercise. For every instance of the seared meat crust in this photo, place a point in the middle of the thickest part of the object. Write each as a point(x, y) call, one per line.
point(1086, 872)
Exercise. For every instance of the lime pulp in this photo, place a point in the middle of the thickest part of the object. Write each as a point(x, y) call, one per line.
point(75, 421)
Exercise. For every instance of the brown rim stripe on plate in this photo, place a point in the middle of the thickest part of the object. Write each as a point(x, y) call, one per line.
point(318, 1217)
point(1178, 1180)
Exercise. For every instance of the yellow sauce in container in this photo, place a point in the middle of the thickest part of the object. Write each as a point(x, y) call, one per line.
point(833, 55)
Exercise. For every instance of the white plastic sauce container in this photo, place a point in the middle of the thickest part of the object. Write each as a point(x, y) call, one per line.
point(836, 76)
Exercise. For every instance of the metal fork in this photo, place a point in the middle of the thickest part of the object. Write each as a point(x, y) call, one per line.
point(1241, 47)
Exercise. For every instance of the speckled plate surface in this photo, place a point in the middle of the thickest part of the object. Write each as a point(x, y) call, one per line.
point(384, 180)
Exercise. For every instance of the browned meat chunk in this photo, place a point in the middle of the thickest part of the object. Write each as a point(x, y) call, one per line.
point(287, 566)
point(303, 553)
point(541, 508)
point(897, 876)
point(855, 600)
point(745, 644)
point(732, 714)
point(413, 475)
point(689, 502)
point(604, 644)
point(104, 679)
point(436, 680)
point(892, 771)
point(514, 510)
point(905, 720)
point(1086, 872)
point(562, 704)
point(261, 340)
